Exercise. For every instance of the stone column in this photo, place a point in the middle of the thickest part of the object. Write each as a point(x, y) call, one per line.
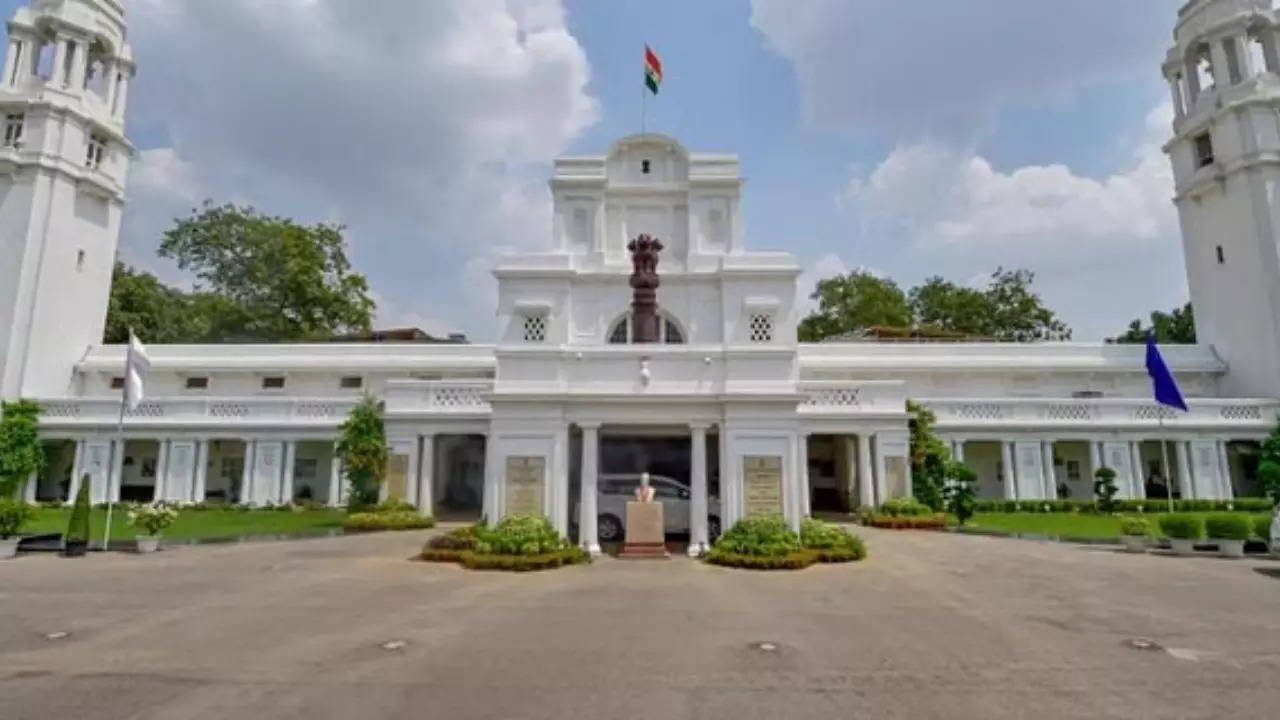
point(1137, 475)
point(805, 496)
point(286, 478)
point(866, 473)
point(246, 478)
point(335, 479)
point(699, 537)
point(1009, 479)
point(1175, 89)
point(1192, 76)
point(1270, 52)
point(588, 530)
point(1244, 57)
point(1184, 471)
point(11, 59)
point(116, 476)
point(58, 71)
point(122, 96)
point(112, 68)
point(1220, 64)
point(427, 474)
point(957, 450)
point(1050, 480)
point(29, 490)
point(1226, 490)
point(77, 469)
point(849, 446)
point(162, 469)
point(202, 469)
point(79, 66)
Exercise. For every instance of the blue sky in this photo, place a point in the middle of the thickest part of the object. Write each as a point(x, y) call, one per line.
point(914, 139)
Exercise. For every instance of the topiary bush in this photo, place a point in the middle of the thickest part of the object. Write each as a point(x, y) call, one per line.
point(518, 543)
point(450, 546)
point(397, 520)
point(1181, 526)
point(961, 492)
point(13, 515)
point(1250, 505)
point(760, 536)
point(520, 535)
point(77, 537)
point(1228, 526)
point(1104, 486)
point(1262, 527)
point(1135, 527)
point(903, 507)
point(831, 543)
point(906, 522)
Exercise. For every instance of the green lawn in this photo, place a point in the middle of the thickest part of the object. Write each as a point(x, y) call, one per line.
point(196, 523)
point(1067, 525)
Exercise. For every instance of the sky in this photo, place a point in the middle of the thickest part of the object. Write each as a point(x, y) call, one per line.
point(913, 139)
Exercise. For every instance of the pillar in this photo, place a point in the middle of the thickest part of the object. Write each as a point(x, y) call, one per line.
point(11, 60)
point(1184, 471)
point(866, 474)
point(1137, 476)
point(246, 479)
point(1050, 480)
point(58, 71)
point(77, 469)
point(850, 450)
point(805, 494)
point(1226, 490)
point(588, 532)
point(79, 66)
point(1220, 64)
point(699, 540)
point(1244, 56)
point(286, 478)
point(957, 450)
point(427, 474)
point(1175, 89)
point(29, 490)
point(116, 477)
point(335, 479)
point(1006, 463)
point(122, 96)
point(1095, 457)
point(1270, 51)
point(112, 68)
point(162, 469)
point(558, 499)
point(202, 468)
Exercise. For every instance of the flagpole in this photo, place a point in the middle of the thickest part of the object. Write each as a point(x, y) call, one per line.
point(1164, 454)
point(644, 99)
point(124, 403)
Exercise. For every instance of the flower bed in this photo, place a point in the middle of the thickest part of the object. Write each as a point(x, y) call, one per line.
point(517, 544)
point(906, 522)
point(450, 546)
point(395, 520)
point(523, 563)
point(766, 543)
point(1150, 505)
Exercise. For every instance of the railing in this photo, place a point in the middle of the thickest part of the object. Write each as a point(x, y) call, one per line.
point(439, 396)
point(247, 410)
point(1113, 412)
point(851, 398)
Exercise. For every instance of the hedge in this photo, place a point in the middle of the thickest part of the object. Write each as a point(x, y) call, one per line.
point(1150, 505)
point(830, 542)
point(523, 563)
point(906, 522)
point(796, 560)
point(399, 520)
point(1262, 528)
point(450, 546)
point(1182, 527)
point(1228, 526)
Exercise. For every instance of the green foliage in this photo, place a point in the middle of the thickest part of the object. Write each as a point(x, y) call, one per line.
point(446, 547)
point(13, 515)
point(820, 535)
point(362, 445)
point(395, 520)
point(520, 535)
point(524, 563)
point(159, 313)
point(1006, 309)
point(1269, 479)
point(903, 507)
point(796, 560)
point(1181, 526)
point(20, 450)
point(78, 524)
point(906, 522)
point(929, 457)
point(1228, 526)
point(961, 484)
point(1246, 505)
point(852, 303)
point(1104, 487)
point(152, 519)
point(1136, 527)
point(759, 536)
point(1174, 328)
point(1262, 527)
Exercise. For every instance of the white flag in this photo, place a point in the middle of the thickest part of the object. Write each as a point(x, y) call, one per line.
point(135, 372)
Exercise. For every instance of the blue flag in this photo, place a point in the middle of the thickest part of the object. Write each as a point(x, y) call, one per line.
point(1162, 382)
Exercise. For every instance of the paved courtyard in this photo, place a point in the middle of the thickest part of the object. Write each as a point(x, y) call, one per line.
point(930, 626)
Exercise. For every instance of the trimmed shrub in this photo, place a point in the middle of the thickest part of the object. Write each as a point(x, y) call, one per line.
point(520, 535)
point(911, 522)
point(78, 524)
point(1262, 527)
point(797, 560)
point(1181, 526)
point(961, 490)
point(523, 563)
point(1151, 505)
point(1228, 526)
point(1134, 527)
point(370, 521)
point(13, 515)
point(450, 546)
point(152, 519)
point(903, 507)
point(393, 506)
point(830, 542)
point(759, 536)
point(1104, 486)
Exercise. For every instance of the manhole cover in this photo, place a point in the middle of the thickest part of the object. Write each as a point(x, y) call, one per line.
point(765, 646)
point(394, 645)
point(1143, 644)
point(56, 635)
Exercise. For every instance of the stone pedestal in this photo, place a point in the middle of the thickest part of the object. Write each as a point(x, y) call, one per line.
point(645, 535)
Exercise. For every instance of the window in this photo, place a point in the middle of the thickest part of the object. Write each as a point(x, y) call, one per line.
point(97, 150)
point(13, 130)
point(535, 327)
point(1204, 150)
point(351, 382)
point(198, 383)
point(644, 167)
point(275, 382)
point(760, 328)
point(1086, 394)
point(671, 333)
point(117, 383)
point(620, 333)
point(1222, 258)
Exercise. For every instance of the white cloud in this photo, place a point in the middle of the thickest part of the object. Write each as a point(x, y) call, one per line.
point(426, 127)
point(944, 69)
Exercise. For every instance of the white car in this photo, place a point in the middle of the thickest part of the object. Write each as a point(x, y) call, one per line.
point(617, 490)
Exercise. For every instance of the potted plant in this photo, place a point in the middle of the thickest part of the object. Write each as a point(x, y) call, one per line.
point(151, 520)
point(1133, 533)
point(77, 538)
point(13, 515)
point(1183, 529)
point(1229, 531)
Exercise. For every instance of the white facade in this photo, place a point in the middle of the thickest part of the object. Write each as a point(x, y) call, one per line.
point(256, 423)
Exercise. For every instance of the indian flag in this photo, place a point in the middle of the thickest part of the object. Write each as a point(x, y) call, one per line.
point(652, 70)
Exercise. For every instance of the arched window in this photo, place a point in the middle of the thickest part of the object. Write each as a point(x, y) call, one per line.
point(620, 332)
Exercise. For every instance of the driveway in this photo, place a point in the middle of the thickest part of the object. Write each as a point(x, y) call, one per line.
point(931, 625)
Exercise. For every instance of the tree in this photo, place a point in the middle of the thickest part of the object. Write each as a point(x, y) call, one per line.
point(155, 311)
point(362, 446)
point(944, 305)
point(1175, 327)
point(1269, 465)
point(1104, 486)
point(854, 302)
point(20, 451)
point(929, 457)
point(960, 493)
point(1017, 314)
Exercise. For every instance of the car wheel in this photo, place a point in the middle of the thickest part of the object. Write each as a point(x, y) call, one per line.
point(608, 528)
point(713, 528)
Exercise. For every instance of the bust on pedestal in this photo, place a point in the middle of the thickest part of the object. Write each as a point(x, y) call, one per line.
point(645, 537)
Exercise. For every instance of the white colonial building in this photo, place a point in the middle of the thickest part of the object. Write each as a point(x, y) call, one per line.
point(729, 403)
